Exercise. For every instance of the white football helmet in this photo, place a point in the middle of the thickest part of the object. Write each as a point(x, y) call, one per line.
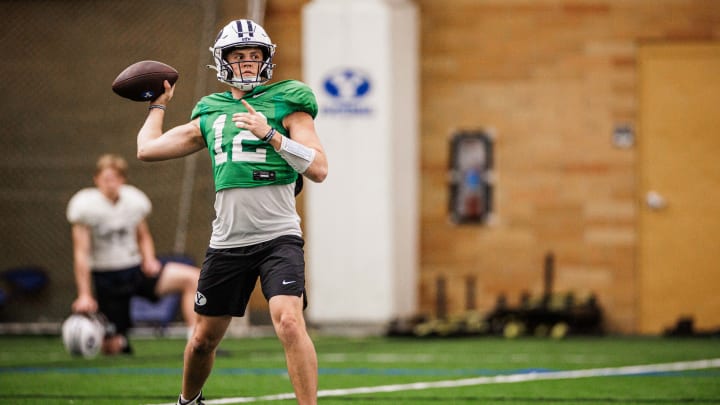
point(240, 34)
point(83, 335)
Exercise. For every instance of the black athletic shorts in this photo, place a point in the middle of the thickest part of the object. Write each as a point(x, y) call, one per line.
point(113, 290)
point(228, 276)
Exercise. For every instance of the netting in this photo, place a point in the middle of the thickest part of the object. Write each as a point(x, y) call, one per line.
point(59, 114)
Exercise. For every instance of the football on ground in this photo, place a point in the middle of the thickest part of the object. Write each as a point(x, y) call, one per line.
point(143, 81)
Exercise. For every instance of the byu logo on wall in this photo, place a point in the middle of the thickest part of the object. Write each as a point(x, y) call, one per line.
point(347, 90)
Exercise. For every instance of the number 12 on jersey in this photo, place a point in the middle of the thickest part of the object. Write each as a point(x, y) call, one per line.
point(249, 153)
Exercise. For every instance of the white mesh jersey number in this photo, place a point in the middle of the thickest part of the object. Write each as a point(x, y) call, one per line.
point(258, 154)
point(218, 125)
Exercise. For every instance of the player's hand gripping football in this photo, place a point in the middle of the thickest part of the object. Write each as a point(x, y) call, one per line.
point(164, 98)
point(252, 121)
point(84, 304)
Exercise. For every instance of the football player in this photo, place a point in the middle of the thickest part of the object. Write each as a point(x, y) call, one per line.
point(114, 254)
point(260, 136)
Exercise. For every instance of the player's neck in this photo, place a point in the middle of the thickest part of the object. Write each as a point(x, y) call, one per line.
point(237, 93)
point(112, 197)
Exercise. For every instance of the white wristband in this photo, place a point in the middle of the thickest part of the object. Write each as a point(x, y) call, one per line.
point(298, 156)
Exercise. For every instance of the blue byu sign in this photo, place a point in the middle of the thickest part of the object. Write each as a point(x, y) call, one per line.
point(347, 89)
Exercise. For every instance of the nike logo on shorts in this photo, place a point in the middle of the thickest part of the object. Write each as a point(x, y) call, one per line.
point(288, 282)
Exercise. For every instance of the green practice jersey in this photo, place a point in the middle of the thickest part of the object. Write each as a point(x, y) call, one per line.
point(239, 158)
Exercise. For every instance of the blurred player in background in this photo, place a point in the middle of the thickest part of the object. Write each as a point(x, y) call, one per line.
point(114, 254)
point(260, 138)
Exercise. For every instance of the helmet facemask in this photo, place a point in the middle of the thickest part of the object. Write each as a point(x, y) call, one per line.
point(243, 34)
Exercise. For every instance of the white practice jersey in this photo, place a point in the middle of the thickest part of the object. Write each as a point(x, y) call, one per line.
point(113, 225)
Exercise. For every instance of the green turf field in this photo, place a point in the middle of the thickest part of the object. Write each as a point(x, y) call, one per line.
point(36, 370)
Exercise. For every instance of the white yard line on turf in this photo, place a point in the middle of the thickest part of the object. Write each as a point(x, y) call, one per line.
point(500, 379)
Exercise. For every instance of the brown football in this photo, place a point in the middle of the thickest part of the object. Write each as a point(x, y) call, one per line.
point(143, 81)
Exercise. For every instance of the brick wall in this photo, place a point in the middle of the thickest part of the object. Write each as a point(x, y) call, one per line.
point(551, 79)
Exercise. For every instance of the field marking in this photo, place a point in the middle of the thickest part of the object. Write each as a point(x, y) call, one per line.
point(499, 379)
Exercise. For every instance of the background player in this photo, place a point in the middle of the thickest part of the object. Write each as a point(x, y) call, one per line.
point(114, 253)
